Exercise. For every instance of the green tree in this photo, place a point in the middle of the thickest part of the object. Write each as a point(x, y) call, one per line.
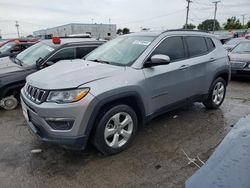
point(232, 23)
point(189, 26)
point(119, 31)
point(248, 24)
point(125, 31)
point(207, 25)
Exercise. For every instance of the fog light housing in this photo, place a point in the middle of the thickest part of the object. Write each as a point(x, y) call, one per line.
point(60, 123)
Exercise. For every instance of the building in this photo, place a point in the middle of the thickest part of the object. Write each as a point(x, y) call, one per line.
point(94, 30)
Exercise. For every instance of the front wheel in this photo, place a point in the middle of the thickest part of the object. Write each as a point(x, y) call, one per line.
point(115, 129)
point(216, 95)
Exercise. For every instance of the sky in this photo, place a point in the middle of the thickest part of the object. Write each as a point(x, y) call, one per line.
point(135, 14)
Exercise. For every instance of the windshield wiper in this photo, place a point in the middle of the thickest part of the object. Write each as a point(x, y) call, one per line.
point(100, 61)
point(19, 62)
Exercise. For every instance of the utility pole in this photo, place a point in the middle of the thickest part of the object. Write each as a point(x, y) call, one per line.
point(188, 1)
point(243, 19)
point(215, 12)
point(17, 28)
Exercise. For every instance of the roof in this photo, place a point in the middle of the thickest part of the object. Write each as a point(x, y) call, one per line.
point(65, 41)
point(179, 31)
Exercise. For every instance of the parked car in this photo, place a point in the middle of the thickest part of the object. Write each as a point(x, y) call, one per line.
point(229, 45)
point(13, 71)
point(123, 83)
point(5, 41)
point(228, 166)
point(240, 59)
point(14, 48)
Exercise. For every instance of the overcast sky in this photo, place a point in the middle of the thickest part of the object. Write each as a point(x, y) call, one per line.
point(134, 14)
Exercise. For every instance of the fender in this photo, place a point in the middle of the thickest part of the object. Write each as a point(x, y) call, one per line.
point(101, 103)
point(10, 87)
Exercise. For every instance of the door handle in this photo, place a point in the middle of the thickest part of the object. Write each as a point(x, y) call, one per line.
point(183, 67)
point(211, 59)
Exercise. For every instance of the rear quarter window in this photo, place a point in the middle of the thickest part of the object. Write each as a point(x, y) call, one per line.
point(210, 44)
point(196, 45)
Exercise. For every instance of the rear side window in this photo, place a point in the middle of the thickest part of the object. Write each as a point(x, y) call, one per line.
point(172, 47)
point(67, 53)
point(210, 44)
point(82, 51)
point(196, 46)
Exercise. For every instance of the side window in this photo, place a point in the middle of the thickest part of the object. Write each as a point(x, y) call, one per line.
point(67, 53)
point(82, 51)
point(196, 45)
point(173, 47)
point(210, 44)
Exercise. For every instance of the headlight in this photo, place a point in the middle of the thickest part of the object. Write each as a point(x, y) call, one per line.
point(67, 96)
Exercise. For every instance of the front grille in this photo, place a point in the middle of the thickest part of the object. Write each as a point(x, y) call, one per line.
point(238, 65)
point(34, 94)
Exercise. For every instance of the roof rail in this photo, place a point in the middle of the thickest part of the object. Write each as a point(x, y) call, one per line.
point(170, 30)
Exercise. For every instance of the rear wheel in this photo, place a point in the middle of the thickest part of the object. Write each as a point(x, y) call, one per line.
point(115, 129)
point(217, 94)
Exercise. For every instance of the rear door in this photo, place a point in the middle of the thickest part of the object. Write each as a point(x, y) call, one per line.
point(199, 60)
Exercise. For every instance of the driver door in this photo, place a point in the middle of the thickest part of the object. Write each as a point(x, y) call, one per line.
point(168, 84)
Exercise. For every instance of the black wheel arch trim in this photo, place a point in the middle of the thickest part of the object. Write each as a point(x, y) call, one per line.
point(108, 100)
point(10, 87)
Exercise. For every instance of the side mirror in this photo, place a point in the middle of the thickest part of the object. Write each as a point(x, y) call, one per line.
point(158, 59)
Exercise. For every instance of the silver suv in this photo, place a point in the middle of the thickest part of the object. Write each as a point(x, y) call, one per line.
point(123, 84)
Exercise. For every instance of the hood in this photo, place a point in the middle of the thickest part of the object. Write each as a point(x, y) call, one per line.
point(71, 74)
point(239, 57)
point(7, 66)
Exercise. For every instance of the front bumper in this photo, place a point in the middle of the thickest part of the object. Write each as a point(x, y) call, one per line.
point(36, 115)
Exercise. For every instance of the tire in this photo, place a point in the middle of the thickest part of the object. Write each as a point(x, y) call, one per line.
point(9, 103)
point(216, 95)
point(110, 136)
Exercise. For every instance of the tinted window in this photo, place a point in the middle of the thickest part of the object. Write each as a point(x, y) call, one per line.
point(67, 53)
point(173, 47)
point(82, 51)
point(196, 46)
point(210, 44)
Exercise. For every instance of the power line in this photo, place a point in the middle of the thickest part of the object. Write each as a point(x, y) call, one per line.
point(188, 1)
point(153, 18)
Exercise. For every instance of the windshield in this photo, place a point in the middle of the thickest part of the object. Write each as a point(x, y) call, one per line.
point(121, 51)
point(234, 41)
point(242, 48)
point(36, 52)
point(5, 48)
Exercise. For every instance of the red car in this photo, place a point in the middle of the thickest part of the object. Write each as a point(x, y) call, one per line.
point(5, 41)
